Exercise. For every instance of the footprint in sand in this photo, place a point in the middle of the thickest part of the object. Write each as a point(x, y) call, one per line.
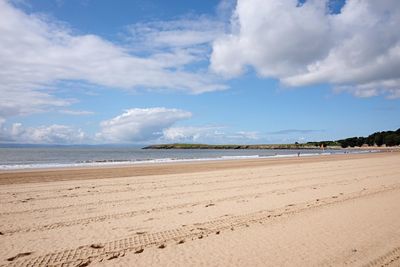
point(19, 255)
point(185, 212)
point(26, 200)
point(181, 242)
point(84, 263)
point(140, 233)
point(112, 257)
point(97, 246)
point(139, 251)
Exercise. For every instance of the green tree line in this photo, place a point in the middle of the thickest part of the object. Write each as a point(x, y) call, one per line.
point(388, 138)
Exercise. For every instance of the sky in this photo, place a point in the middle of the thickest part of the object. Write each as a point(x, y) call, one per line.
point(217, 71)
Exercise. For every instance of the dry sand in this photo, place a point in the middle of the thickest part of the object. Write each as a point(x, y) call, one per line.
point(321, 211)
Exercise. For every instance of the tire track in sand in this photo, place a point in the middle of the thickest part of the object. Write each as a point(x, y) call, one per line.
point(122, 215)
point(139, 182)
point(84, 255)
point(125, 200)
point(391, 258)
point(130, 189)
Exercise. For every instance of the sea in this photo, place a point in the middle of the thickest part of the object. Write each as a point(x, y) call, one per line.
point(14, 158)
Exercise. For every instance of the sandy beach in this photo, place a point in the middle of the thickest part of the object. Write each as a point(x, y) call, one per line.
point(339, 210)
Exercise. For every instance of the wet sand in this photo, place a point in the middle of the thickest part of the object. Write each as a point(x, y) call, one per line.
point(312, 211)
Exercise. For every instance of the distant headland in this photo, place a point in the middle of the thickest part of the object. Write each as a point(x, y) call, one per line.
point(261, 146)
point(377, 139)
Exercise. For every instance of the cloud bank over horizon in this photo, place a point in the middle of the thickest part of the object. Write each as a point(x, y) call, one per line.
point(133, 126)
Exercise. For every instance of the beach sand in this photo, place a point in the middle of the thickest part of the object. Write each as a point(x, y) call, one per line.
point(309, 211)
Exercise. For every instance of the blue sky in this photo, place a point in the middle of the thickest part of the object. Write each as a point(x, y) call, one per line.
point(94, 72)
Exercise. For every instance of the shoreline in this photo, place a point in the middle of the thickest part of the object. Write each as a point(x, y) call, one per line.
point(127, 163)
point(131, 170)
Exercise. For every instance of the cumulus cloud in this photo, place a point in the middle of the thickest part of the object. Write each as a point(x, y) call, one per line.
point(208, 134)
point(143, 126)
point(192, 134)
point(157, 125)
point(136, 125)
point(140, 124)
point(357, 49)
point(36, 53)
point(53, 134)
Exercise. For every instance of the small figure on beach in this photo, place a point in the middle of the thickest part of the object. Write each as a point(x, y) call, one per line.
point(298, 154)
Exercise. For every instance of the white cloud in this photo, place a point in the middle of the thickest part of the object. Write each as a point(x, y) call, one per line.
point(36, 53)
point(140, 125)
point(225, 9)
point(136, 125)
point(357, 49)
point(53, 134)
point(246, 135)
point(296, 131)
point(207, 134)
point(192, 134)
point(179, 43)
point(76, 112)
point(157, 125)
point(19, 101)
point(179, 33)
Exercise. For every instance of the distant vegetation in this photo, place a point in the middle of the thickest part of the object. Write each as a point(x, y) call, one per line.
point(324, 144)
point(204, 146)
point(310, 145)
point(388, 138)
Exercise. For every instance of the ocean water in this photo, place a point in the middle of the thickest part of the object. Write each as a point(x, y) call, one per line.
point(52, 157)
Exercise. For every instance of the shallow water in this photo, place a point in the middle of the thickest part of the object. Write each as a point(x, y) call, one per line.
point(48, 157)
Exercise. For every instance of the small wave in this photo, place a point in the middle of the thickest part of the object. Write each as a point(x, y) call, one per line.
point(241, 157)
point(120, 162)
